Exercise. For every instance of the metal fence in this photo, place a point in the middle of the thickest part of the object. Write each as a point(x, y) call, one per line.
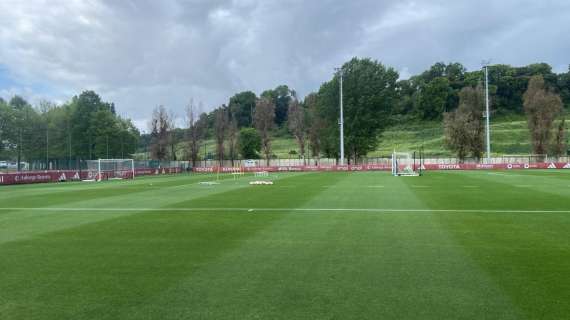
point(508, 159)
point(80, 164)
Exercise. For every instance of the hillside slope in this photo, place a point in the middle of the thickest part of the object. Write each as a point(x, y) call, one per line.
point(509, 136)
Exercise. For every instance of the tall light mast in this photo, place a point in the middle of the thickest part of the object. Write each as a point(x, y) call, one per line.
point(341, 120)
point(487, 113)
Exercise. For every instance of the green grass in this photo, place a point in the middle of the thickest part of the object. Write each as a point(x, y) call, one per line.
point(448, 245)
point(508, 136)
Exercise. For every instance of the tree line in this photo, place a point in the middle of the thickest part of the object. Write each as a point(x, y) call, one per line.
point(86, 127)
point(83, 128)
point(374, 98)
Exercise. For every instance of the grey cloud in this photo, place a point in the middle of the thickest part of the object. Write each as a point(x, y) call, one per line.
point(143, 53)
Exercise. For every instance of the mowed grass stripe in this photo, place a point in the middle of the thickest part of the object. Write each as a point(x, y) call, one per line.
point(253, 210)
point(20, 224)
point(304, 264)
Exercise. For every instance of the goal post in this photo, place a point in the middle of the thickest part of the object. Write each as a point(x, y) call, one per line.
point(406, 164)
point(111, 169)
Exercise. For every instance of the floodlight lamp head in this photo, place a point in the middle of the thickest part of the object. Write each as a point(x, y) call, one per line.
point(339, 71)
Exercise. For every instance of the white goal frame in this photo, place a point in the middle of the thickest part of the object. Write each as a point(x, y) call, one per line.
point(101, 170)
point(404, 164)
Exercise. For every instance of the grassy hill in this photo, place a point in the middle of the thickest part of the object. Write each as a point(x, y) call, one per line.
point(509, 135)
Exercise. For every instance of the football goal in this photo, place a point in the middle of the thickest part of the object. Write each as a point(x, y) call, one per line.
point(406, 164)
point(110, 169)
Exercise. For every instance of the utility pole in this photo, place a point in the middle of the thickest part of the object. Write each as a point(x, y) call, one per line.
point(487, 113)
point(341, 120)
point(47, 146)
point(20, 149)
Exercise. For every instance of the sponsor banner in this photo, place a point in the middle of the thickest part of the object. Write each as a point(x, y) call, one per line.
point(41, 177)
point(387, 167)
point(71, 175)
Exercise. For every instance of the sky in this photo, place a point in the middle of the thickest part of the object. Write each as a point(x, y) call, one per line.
point(143, 53)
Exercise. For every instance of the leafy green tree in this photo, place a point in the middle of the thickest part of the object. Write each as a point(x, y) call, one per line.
point(280, 97)
point(431, 100)
point(559, 147)
point(84, 135)
point(7, 128)
point(242, 107)
point(564, 87)
point(249, 143)
point(105, 133)
point(369, 94)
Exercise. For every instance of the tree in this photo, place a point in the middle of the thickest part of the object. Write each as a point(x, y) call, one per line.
point(263, 119)
point(242, 106)
point(559, 147)
point(18, 103)
point(541, 107)
point(128, 137)
point(85, 105)
point(233, 132)
point(432, 98)
point(249, 143)
point(369, 94)
point(160, 127)
point(220, 131)
point(173, 136)
point(105, 132)
point(7, 128)
point(464, 126)
point(195, 132)
point(297, 123)
point(280, 97)
point(315, 125)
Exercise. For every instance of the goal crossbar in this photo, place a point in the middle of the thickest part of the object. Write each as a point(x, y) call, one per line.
point(405, 164)
point(110, 169)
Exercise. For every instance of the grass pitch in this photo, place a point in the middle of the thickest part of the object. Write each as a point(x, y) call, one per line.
point(448, 245)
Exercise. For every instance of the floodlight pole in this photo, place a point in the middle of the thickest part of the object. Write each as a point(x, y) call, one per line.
point(487, 114)
point(341, 120)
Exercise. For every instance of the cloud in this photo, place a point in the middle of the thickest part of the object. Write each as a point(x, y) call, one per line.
point(143, 53)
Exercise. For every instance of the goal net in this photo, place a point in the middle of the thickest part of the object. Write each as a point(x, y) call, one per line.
point(405, 164)
point(110, 169)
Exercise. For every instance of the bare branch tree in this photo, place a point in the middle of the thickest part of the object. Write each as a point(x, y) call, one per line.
point(316, 124)
point(297, 122)
point(195, 132)
point(233, 132)
point(264, 120)
point(464, 126)
point(541, 107)
point(220, 130)
point(160, 127)
point(172, 138)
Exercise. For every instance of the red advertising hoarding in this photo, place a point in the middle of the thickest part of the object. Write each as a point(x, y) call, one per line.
point(69, 175)
point(386, 167)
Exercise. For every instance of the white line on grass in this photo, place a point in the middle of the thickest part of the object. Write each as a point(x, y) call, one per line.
point(378, 210)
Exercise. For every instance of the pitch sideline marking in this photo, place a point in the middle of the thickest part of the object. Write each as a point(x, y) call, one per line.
point(377, 210)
